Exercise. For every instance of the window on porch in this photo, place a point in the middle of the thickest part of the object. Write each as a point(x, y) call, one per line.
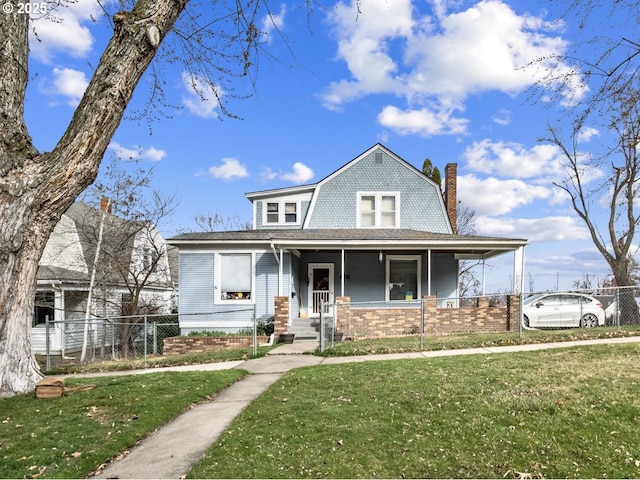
point(403, 277)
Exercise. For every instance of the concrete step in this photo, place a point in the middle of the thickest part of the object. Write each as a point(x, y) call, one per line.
point(306, 328)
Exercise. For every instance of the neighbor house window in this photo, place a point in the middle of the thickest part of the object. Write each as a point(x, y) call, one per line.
point(235, 276)
point(44, 307)
point(378, 210)
point(280, 213)
point(403, 277)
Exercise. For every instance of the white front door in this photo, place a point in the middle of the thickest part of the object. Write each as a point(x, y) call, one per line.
point(320, 287)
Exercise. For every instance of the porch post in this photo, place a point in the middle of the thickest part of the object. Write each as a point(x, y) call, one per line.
point(483, 276)
point(518, 270)
point(429, 273)
point(342, 274)
point(280, 274)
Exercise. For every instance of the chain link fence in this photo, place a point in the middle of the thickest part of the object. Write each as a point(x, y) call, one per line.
point(73, 342)
point(404, 325)
point(399, 324)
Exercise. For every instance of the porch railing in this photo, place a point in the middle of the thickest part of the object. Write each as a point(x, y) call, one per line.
point(320, 297)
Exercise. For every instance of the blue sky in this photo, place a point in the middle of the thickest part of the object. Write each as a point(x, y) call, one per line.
point(445, 80)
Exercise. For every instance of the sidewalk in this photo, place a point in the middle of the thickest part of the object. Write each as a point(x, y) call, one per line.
point(172, 450)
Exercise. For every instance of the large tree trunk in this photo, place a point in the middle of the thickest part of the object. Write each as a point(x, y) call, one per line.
point(35, 188)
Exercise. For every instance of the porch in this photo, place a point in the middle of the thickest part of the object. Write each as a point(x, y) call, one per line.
point(391, 319)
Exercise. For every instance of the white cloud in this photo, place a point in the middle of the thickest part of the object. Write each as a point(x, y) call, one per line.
point(569, 266)
point(510, 159)
point(502, 117)
point(201, 99)
point(301, 174)
point(64, 30)
point(70, 84)
point(491, 196)
point(546, 229)
point(587, 133)
point(424, 122)
point(229, 169)
point(267, 174)
point(273, 22)
point(138, 153)
point(442, 59)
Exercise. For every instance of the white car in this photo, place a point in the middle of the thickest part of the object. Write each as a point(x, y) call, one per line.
point(562, 310)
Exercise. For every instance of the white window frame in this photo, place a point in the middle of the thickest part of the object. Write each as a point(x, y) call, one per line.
point(282, 214)
point(418, 260)
point(217, 280)
point(377, 209)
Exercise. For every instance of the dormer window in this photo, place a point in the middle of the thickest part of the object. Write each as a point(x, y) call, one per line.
point(378, 210)
point(273, 215)
point(282, 213)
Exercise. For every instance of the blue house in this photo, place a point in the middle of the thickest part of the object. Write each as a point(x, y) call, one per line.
point(375, 230)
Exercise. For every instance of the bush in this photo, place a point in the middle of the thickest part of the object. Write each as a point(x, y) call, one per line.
point(265, 327)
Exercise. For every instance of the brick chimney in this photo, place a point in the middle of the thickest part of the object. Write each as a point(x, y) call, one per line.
point(450, 193)
point(105, 205)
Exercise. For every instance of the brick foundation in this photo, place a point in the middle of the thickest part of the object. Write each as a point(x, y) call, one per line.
point(182, 345)
point(357, 323)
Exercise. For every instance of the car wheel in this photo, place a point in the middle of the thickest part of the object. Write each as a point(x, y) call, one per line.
point(526, 321)
point(589, 320)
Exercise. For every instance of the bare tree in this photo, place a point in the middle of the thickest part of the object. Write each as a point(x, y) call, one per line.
point(37, 187)
point(212, 222)
point(468, 283)
point(602, 61)
point(130, 254)
point(619, 168)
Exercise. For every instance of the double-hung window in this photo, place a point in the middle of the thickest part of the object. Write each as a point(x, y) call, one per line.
point(235, 282)
point(282, 213)
point(378, 210)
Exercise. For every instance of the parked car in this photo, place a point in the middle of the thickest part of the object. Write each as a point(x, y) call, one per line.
point(612, 311)
point(563, 310)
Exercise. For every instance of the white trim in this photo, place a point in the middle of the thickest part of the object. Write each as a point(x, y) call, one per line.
point(418, 260)
point(310, 289)
point(282, 214)
point(377, 223)
point(217, 278)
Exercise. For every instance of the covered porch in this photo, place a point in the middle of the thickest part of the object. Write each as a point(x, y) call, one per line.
point(392, 268)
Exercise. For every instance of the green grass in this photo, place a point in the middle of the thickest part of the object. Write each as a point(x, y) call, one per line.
point(571, 412)
point(70, 436)
point(215, 356)
point(411, 343)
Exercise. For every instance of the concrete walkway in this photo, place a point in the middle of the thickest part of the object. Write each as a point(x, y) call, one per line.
point(171, 451)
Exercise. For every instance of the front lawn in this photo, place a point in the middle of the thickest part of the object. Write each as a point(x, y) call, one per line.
point(70, 436)
point(411, 343)
point(571, 412)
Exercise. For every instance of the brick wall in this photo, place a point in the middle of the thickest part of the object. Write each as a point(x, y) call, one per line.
point(384, 322)
point(181, 345)
point(281, 315)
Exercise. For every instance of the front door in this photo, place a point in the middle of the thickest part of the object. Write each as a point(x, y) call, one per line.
point(320, 287)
